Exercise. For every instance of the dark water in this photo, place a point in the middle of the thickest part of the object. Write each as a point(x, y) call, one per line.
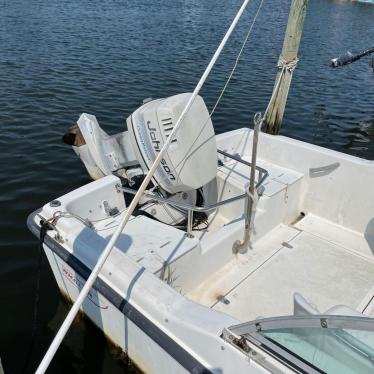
point(61, 58)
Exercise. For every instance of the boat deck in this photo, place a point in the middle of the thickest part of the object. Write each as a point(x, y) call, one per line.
point(325, 262)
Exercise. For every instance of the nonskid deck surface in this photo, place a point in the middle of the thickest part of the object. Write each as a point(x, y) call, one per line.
point(289, 259)
point(151, 243)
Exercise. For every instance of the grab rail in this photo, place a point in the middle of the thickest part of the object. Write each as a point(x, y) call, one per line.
point(263, 174)
point(186, 206)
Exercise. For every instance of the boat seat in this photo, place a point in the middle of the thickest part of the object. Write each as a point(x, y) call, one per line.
point(302, 307)
point(343, 310)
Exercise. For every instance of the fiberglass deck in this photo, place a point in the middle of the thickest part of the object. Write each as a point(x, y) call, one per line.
point(295, 259)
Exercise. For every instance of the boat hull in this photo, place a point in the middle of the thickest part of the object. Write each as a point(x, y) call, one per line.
point(190, 348)
point(146, 344)
point(142, 309)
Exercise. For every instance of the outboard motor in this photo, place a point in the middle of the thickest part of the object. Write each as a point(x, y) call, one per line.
point(188, 168)
point(191, 159)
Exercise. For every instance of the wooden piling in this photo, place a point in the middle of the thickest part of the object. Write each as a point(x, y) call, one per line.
point(295, 25)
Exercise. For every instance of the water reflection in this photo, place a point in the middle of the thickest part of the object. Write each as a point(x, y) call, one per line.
point(62, 58)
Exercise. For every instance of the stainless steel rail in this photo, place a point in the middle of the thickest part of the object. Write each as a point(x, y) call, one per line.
point(186, 206)
point(263, 174)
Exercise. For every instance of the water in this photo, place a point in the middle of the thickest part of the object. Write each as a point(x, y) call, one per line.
point(61, 58)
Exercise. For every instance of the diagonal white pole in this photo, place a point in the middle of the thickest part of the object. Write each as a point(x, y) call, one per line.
point(100, 262)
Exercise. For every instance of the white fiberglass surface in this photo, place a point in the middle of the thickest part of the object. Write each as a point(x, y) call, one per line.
point(325, 273)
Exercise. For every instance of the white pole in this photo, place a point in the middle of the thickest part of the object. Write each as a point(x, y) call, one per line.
point(100, 262)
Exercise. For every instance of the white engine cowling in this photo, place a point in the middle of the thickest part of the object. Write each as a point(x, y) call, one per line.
point(188, 170)
point(191, 159)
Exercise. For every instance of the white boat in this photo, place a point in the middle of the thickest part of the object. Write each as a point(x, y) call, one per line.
point(170, 296)
point(218, 271)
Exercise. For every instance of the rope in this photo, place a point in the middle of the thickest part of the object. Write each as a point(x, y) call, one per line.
point(255, 198)
point(184, 158)
point(89, 223)
point(287, 65)
point(284, 66)
point(237, 59)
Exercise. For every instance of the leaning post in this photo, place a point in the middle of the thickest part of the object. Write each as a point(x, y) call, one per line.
point(286, 64)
